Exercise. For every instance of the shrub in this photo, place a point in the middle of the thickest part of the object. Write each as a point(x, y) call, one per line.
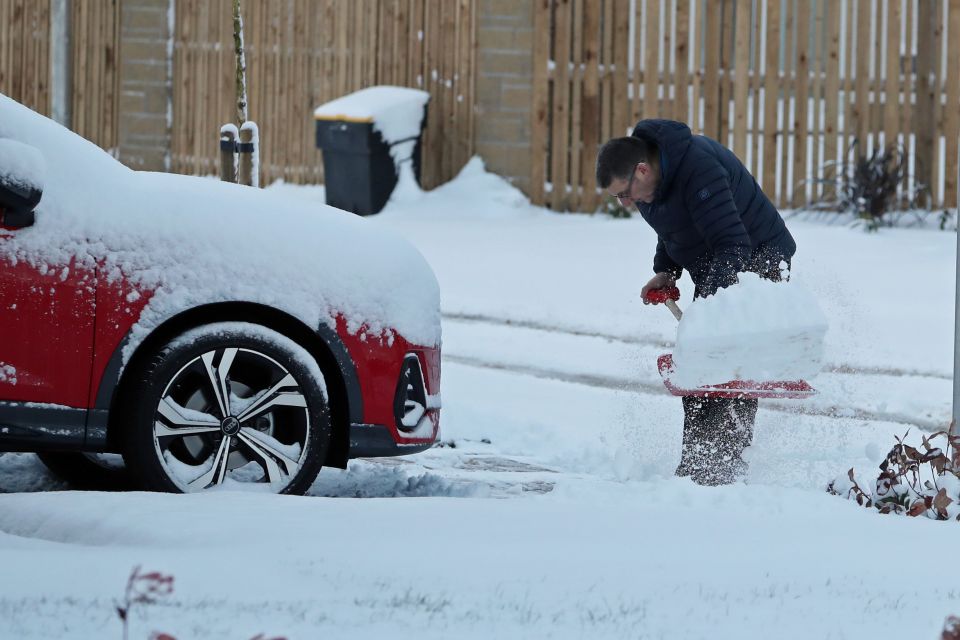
point(866, 186)
point(911, 482)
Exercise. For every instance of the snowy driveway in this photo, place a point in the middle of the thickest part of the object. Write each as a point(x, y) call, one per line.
point(550, 510)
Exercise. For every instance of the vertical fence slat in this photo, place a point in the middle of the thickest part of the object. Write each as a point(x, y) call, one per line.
point(937, 76)
point(952, 108)
point(711, 71)
point(726, 69)
point(696, 38)
point(801, 103)
point(561, 113)
point(667, 38)
point(892, 70)
point(448, 64)
point(741, 78)
point(788, 134)
point(621, 77)
point(6, 50)
point(877, 81)
point(924, 113)
point(606, 77)
point(848, 131)
point(651, 68)
point(816, 93)
point(637, 74)
point(861, 109)
point(681, 81)
point(538, 110)
point(756, 29)
point(908, 76)
point(801, 106)
point(771, 98)
point(831, 88)
point(462, 82)
point(576, 116)
point(590, 98)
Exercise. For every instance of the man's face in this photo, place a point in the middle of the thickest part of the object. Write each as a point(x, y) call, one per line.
point(640, 185)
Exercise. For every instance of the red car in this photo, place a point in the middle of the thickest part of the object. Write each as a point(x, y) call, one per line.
point(214, 335)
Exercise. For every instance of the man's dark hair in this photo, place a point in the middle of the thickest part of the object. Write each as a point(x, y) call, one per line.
point(619, 156)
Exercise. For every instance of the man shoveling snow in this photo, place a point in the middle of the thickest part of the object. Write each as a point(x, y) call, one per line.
point(712, 219)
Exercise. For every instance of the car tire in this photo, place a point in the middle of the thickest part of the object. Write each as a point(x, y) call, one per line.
point(87, 471)
point(228, 405)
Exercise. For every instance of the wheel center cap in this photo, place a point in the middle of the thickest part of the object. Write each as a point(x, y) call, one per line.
point(230, 426)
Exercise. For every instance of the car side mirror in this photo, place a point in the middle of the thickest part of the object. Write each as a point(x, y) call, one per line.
point(22, 171)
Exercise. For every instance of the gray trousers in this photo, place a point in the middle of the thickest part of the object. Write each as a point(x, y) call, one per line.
point(715, 433)
point(717, 430)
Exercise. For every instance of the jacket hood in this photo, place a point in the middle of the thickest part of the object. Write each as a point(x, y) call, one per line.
point(672, 139)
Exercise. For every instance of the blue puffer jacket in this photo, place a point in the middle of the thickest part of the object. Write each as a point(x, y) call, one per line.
point(710, 215)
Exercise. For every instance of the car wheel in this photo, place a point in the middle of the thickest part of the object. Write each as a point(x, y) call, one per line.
point(92, 471)
point(228, 405)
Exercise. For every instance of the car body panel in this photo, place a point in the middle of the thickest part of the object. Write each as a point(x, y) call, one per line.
point(46, 331)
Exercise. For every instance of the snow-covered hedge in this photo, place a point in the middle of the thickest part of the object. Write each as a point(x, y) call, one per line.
point(911, 482)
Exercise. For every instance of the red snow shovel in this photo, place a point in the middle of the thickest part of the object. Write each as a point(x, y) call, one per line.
point(796, 389)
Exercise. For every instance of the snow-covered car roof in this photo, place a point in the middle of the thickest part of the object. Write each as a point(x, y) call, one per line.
point(198, 240)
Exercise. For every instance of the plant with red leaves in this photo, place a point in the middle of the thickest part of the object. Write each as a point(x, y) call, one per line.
point(951, 629)
point(912, 482)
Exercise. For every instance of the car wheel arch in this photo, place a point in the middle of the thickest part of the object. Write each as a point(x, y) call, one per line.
point(343, 385)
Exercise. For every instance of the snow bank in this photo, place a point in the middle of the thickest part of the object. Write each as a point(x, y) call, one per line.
point(195, 240)
point(21, 165)
point(755, 330)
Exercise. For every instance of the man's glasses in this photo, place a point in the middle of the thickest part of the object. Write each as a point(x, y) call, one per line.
point(625, 194)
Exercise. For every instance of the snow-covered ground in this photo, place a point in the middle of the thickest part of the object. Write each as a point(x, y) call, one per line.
point(550, 509)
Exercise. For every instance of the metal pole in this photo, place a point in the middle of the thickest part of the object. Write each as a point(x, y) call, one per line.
point(956, 338)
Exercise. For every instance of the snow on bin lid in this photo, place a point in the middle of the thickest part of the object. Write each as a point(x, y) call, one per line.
point(396, 112)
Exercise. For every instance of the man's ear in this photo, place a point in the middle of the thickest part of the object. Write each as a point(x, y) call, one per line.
point(644, 168)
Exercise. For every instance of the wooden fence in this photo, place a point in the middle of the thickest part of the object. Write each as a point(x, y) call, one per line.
point(302, 53)
point(26, 67)
point(95, 73)
point(25, 52)
point(787, 84)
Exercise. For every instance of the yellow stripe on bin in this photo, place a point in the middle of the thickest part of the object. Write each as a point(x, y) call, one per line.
point(341, 118)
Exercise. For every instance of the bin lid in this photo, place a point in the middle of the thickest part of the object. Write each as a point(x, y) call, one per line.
point(396, 112)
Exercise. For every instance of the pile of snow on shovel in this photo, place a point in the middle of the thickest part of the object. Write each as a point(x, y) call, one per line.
point(755, 330)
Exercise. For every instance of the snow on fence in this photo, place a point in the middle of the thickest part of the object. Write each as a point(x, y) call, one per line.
point(787, 84)
point(301, 54)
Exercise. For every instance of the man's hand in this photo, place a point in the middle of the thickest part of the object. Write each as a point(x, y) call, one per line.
point(659, 281)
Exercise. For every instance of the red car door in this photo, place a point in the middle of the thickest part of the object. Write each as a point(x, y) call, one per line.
point(46, 330)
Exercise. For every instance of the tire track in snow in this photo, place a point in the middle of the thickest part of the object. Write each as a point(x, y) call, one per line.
point(651, 388)
point(843, 369)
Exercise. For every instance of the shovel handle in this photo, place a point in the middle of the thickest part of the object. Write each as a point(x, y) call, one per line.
point(674, 309)
point(667, 296)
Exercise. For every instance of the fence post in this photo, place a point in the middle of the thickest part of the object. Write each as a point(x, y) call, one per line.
point(248, 156)
point(228, 153)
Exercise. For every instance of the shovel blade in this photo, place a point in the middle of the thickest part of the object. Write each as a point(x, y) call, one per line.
point(792, 389)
